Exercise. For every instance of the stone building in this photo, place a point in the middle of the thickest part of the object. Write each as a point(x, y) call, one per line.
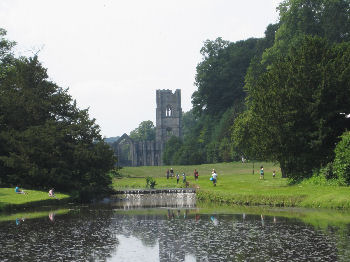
point(168, 124)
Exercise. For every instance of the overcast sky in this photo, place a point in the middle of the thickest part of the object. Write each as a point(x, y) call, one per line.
point(113, 55)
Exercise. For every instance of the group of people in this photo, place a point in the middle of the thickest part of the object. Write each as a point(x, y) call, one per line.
point(20, 191)
point(262, 173)
point(170, 174)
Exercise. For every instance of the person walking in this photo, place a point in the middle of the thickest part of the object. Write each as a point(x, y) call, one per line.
point(273, 174)
point(177, 178)
point(167, 174)
point(183, 177)
point(195, 174)
point(214, 177)
point(171, 172)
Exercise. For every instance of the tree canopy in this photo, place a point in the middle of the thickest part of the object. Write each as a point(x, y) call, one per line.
point(144, 132)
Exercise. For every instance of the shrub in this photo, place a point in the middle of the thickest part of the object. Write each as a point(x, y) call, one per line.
point(341, 166)
point(327, 171)
point(150, 182)
point(115, 173)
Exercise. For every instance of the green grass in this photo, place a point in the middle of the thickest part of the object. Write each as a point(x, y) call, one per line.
point(8, 198)
point(237, 185)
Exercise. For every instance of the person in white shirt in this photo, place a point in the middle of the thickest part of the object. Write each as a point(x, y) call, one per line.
point(214, 176)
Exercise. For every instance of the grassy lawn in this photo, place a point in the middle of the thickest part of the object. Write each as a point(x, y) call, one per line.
point(9, 197)
point(237, 185)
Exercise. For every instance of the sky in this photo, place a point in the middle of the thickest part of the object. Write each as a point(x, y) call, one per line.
point(114, 54)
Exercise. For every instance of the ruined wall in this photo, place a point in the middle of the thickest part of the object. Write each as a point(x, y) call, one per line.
point(168, 124)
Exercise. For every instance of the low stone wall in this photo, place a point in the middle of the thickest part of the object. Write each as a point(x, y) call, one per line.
point(156, 191)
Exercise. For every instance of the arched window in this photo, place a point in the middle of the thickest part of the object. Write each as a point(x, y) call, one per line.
point(169, 111)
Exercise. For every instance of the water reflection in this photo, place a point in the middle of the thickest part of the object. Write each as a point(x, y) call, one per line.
point(180, 200)
point(79, 236)
point(168, 234)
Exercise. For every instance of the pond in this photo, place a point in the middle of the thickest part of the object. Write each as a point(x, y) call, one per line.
point(129, 231)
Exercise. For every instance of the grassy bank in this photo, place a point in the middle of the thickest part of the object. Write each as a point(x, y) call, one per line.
point(237, 185)
point(10, 200)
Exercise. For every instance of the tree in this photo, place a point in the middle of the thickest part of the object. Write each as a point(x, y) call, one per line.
point(144, 132)
point(220, 76)
point(297, 108)
point(46, 141)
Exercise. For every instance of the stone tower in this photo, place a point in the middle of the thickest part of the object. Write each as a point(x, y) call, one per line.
point(168, 124)
point(168, 117)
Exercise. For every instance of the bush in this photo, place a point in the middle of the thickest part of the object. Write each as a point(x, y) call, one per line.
point(115, 173)
point(327, 171)
point(341, 166)
point(150, 182)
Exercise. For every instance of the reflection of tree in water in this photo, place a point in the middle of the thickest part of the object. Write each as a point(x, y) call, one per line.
point(145, 228)
point(231, 239)
point(343, 241)
point(79, 237)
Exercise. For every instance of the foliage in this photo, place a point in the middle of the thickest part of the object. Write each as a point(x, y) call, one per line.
point(319, 179)
point(172, 146)
point(324, 18)
point(220, 76)
point(298, 107)
point(111, 140)
point(327, 172)
point(115, 173)
point(146, 131)
point(150, 182)
point(341, 166)
point(46, 141)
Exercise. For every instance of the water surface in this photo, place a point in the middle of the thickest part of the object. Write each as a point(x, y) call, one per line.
point(118, 232)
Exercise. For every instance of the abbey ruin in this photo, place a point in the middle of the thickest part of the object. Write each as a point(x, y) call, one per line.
point(168, 124)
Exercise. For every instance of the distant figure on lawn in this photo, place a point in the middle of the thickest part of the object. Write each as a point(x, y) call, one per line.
point(195, 174)
point(214, 177)
point(183, 177)
point(274, 174)
point(52, 192)
point(19, 191)
point(177, 178)
point(261, 172)
point(167, 174)
point(171, 172)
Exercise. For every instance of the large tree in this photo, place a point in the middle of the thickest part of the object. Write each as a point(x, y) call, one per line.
point(298, 108)
point(45, 140)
